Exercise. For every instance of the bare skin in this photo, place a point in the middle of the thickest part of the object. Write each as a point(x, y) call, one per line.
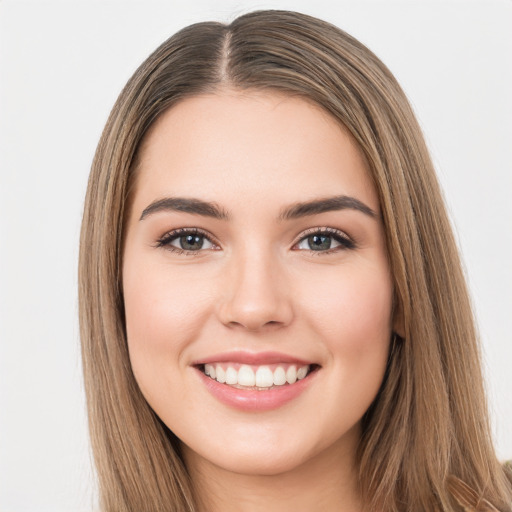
point(219, 490)
point(222, 257)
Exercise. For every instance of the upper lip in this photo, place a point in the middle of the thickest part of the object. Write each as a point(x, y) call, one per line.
point(251, 358)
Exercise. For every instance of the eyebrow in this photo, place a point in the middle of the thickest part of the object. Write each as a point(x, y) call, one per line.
point(294, 211)
point(328, 204)
point(187, 205)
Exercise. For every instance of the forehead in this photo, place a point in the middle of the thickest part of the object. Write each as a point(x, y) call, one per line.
point(245, 146)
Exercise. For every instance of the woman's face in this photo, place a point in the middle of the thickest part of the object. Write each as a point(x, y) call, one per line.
point(255, 253)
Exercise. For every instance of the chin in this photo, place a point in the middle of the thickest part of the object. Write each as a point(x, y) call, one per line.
point(268, 453)
point(252, 462)
point(256, 465)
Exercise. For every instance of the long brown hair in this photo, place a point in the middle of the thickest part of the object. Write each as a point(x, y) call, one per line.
point(428, 428)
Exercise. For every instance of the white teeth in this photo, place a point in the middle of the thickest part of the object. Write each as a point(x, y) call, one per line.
point(231, 376)
point(291, 375)
point(221, 374)
point(209, 369)
point(302, 372)
point(246, 376)
point(279, 376)
point(263, 377)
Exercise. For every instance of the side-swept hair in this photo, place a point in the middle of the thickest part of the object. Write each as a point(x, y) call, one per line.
point(428, 429)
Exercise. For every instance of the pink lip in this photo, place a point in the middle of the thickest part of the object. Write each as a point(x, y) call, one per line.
point(251, 358)
point(254, 400)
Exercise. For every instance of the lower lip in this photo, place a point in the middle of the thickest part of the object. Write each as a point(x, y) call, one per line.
point(255, 400)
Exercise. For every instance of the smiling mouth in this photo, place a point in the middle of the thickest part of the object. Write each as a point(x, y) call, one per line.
point(257, 377)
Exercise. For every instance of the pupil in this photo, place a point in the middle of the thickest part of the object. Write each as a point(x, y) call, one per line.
point(319, 242)
point(191, 242)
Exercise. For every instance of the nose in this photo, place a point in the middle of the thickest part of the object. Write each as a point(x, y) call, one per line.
point(255, 294)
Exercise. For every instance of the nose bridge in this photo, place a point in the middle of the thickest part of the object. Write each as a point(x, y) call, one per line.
point(256, 292)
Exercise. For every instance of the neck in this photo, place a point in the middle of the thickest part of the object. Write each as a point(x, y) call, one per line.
point(325, 482)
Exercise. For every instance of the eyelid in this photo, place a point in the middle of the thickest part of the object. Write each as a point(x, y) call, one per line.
point(166, 238)
point(164, 241)
point(348, 242)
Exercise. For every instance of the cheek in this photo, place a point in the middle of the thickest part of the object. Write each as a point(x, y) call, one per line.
point(161, 302)
point(354, 320)
point(352, 317)
point(163, 312)
point(353, 305)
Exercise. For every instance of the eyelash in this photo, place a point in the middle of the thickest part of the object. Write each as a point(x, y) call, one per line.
point(165, 241)
point(337, 235)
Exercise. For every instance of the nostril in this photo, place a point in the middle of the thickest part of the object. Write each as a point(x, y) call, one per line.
point(255, 304)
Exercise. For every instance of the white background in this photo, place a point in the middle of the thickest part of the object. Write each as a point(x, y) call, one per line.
point(62, 66)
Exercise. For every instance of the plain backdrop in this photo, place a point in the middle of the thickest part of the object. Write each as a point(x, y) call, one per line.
point(62, 66)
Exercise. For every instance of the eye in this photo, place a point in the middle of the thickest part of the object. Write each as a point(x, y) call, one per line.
point(324, 240)
point(186, 241)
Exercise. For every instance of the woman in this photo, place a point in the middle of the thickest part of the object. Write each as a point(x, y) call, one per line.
point(273, 313)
